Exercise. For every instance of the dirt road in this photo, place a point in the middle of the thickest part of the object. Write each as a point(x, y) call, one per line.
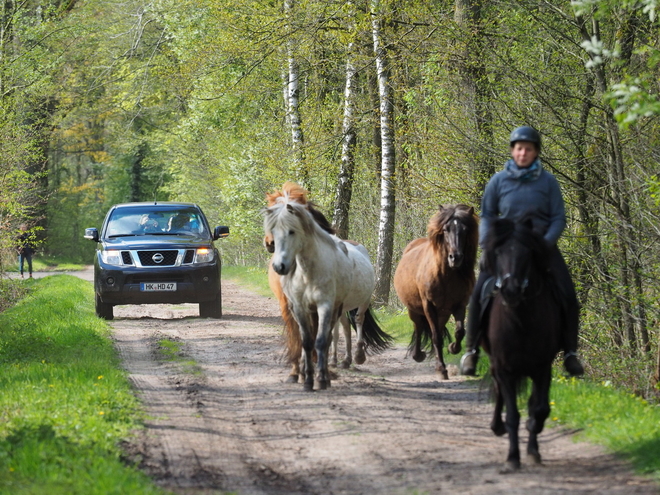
point(386, 427)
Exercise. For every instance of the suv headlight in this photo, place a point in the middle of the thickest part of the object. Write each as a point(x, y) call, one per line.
point(112, 257)
point(204, 255)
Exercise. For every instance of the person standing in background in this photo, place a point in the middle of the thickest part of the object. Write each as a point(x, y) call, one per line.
point(25, 248)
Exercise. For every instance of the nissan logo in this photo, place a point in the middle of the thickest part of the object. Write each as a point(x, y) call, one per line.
point(158, 258)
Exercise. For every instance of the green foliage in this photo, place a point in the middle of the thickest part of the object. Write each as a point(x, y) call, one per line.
point(65, 403)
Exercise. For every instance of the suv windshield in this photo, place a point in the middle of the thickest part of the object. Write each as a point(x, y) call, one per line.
point(163, 221)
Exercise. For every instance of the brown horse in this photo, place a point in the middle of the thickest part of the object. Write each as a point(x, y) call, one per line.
point(524, 330)
point(435, 277)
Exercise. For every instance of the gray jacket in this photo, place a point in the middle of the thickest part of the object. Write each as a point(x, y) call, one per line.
point(513, 192)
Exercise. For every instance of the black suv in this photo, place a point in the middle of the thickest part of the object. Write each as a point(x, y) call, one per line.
point(157, 253)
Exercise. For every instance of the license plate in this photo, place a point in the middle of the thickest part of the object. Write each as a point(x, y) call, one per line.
point(157, 286)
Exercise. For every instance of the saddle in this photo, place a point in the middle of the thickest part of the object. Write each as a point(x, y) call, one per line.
point(488, 290)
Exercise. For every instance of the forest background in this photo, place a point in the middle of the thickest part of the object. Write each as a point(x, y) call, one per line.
point(383, 109)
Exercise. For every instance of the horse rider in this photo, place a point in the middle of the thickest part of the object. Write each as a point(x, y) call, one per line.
point(525, 187)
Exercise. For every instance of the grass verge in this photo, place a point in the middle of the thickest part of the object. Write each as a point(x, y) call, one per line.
point(255, 279)
point(622, 422)
point(65, 405)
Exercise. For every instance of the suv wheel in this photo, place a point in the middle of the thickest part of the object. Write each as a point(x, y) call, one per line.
point(103, 310)
point(213, 308)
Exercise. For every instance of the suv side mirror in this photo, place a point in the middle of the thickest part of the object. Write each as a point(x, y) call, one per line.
point(220, 232)
point(92, 234)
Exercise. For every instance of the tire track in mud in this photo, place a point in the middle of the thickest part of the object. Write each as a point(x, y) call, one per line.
point(388, 426)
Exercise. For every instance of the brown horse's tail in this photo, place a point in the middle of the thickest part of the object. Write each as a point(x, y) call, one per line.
point(426, 342)
point(293, 342)
point(375, 338)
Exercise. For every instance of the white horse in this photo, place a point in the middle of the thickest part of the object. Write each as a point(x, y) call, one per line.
point(322, 277)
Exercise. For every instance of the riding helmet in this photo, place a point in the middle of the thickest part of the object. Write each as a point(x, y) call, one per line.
point(526, 133)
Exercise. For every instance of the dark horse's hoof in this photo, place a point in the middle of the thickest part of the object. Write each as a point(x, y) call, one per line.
point(292, 379)
point(419, 356)
point(510, 467)
point(498, 428)
point(454, 348)
point(321, 384)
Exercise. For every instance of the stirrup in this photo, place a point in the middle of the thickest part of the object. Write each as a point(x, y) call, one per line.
point(569, 354)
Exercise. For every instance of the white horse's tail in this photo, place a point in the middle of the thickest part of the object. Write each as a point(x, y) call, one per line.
point(375, 338)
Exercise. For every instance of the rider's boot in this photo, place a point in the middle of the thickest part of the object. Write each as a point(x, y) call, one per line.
point(468, 364)
point(572, 364)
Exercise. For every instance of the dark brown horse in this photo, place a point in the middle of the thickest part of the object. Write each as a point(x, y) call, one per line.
point(435, 277)
point(524, 330)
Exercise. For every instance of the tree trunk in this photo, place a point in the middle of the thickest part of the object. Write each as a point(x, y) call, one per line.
point(136, 174)
point(297, 137)
point(347, 168)
point(387, 179)
point(625, 233)
point(474, 83)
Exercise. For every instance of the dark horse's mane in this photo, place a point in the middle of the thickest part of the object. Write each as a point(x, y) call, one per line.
point(503, 229)
point(435, 230)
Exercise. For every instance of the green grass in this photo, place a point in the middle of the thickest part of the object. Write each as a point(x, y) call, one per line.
point(172, 351)
point(65, 406)
point(622, 422)
point(255, 279)
point(47, 263)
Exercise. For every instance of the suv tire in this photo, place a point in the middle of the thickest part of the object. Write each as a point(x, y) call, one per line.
point(213, 308)
point(103, 310)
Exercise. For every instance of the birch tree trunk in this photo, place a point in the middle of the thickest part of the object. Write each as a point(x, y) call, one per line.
point(293, 100)
point(387, 179)
point(347, 168)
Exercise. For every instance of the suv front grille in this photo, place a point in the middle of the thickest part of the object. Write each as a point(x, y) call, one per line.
point(149, 258)
point(126, 258)
point(190, 256)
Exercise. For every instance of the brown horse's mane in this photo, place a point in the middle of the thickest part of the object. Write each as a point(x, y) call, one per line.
point(295, 193)
point(435, 230)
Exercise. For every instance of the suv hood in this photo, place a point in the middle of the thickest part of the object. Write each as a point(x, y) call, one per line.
point(151, 242)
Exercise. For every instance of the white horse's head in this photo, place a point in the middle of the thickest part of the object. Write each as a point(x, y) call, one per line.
point(289, 225)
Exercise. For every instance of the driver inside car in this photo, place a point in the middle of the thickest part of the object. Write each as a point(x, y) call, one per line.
point(149, 223)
